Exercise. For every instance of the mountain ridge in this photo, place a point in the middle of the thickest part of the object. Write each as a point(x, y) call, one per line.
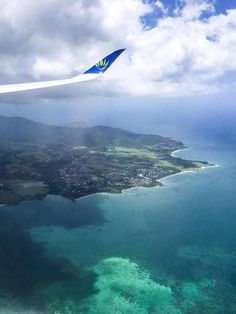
point(21, 129)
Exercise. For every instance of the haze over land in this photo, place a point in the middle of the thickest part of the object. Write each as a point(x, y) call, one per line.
point(37, 159)
point(148, 250)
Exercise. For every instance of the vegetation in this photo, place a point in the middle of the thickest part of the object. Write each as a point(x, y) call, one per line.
point(38, 159)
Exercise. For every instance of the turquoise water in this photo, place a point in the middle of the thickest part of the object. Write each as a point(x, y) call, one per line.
point(156, 250)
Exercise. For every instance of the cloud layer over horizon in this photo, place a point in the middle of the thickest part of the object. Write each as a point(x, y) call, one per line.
point(171, 51)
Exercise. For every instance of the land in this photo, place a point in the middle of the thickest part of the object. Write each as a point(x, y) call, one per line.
point(37, 159)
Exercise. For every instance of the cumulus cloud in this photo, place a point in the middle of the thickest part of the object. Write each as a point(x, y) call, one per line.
point(162, 7)
point(189, 50)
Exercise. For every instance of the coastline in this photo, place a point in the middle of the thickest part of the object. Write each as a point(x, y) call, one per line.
point(178, 150)
point(190, 171)
point(128, 190)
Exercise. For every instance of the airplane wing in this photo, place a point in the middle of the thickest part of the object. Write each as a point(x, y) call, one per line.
point(93, 73)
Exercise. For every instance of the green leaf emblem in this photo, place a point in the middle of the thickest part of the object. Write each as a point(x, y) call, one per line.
point(102, 65)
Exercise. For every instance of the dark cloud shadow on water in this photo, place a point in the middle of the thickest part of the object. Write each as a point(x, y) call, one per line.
point(27, 272)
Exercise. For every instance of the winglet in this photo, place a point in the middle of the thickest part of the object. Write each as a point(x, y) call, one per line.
point(105, 63)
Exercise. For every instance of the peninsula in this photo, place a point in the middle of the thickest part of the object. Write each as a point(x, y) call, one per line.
point(38, 159)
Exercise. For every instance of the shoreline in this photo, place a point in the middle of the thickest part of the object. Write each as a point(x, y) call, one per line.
point(128, 190)
point(190, 171)
point(178, 150)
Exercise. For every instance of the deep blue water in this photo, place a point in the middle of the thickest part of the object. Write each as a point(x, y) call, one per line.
point(156, 250)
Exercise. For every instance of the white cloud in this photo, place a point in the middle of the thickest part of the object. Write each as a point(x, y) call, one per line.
point(193, 9)
point(184, 54)
point(162, 7)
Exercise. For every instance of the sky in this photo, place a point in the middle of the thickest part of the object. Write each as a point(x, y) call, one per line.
point(177, 51)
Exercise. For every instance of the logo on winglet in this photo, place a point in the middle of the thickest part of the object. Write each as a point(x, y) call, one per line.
point(102, 65)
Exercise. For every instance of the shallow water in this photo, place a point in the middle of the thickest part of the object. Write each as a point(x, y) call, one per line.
point(156, 250)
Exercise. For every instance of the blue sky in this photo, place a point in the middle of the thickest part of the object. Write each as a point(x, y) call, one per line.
point(220, 5)
point(175, 59)
point(151, 19)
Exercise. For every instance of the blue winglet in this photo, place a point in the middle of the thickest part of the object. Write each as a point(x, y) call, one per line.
point(105, 63)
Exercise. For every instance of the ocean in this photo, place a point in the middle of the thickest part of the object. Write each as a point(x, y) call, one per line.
point(167, 249)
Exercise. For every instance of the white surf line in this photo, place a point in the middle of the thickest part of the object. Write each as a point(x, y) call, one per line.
point(178, 150)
